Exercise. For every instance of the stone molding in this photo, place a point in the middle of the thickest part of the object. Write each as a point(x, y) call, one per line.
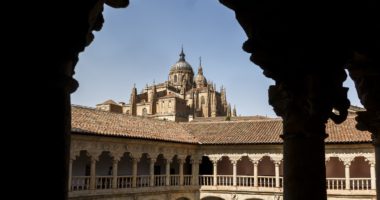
point(347, 158)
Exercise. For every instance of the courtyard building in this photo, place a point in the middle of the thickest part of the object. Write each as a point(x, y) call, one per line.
point(118, 156)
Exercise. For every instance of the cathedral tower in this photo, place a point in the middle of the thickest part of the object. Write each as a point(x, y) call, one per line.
point(181, 73)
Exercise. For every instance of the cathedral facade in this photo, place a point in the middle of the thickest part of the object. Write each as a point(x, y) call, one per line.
point(181, 98)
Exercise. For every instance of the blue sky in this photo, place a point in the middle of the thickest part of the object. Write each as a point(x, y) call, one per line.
point(140, 43)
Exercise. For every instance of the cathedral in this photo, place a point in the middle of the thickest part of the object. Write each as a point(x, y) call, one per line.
point(181, 98)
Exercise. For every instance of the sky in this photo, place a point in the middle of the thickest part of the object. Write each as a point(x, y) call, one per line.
point(138, 44)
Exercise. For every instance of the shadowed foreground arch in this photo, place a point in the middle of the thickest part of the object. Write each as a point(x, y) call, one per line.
point(307, 61)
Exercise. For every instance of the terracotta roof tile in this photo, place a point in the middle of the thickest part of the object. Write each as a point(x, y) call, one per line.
point(261, 131)
point(92, 121)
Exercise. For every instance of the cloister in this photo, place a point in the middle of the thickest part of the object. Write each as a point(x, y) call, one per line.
point(103, 166)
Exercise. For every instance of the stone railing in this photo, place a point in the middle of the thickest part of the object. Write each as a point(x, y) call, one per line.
point(207, 180)
point(225, 180)
point(360, 183)
point(79, 183)
point(335, 183)
point(187, 179)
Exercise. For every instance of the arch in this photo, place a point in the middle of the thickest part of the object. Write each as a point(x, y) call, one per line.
point(144, 111)
point(244, 167)
point(81, 167)
point(212, 198)
point(266, 167)
point(206, 167)
point(334, 168)
point(224, 166)
point(183, 198)
point(360, 168)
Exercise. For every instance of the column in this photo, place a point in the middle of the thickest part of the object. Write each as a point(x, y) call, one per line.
point(195, 171)
point(234, 178)
point(168, 171)
point(181, 178)
point(373, 176)
point(214, 159)
point(151, 170)
point(134, 171)
point(114, 172)
point(215, 172)
point(255, 174)
point(277, 172)
point(347, 162)
point(347, 175)
point(70, 173)
point(372, 164)
point(93, 173)
point(234, 159)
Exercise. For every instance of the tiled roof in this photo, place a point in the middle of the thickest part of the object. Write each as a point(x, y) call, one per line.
point(223, 118)
point(236, 132)
point(267, 132)
point(346, 132)
point(96, 122)
point(259, 131)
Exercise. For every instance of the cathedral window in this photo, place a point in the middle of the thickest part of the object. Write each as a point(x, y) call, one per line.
point(175, 78)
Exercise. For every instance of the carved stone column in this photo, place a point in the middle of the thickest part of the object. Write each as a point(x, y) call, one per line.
point(135, 161)
point(347, 162)
point(167, 169)
point(373, 175)
point(195, 170)
point(116, 156)
point(214, 159)
point(94, 157)
point(308, 85)
point(234, 159)
point(181, 161)
point(93, 173)
point(255, 158)
point(151, 170)
point(277, 161)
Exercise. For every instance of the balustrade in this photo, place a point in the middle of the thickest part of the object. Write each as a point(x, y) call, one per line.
point(187, 179)
point(80, 183)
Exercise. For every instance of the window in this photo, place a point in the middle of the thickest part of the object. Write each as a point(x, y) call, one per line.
point(144, 112)
point(202, 100)
point(175, 78)
point(170, 104)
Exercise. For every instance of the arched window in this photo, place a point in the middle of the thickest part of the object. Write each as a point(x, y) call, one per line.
point(175, 78)
point(202, 100)
point(144, 111)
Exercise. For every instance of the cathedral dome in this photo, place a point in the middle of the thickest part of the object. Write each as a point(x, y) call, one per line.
point(181, 65)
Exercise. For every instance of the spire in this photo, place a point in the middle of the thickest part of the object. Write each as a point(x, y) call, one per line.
point(182, 55)
point(200, 70)
point(234, 112)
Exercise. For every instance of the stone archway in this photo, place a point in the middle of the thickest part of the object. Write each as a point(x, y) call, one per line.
point(212, 198)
